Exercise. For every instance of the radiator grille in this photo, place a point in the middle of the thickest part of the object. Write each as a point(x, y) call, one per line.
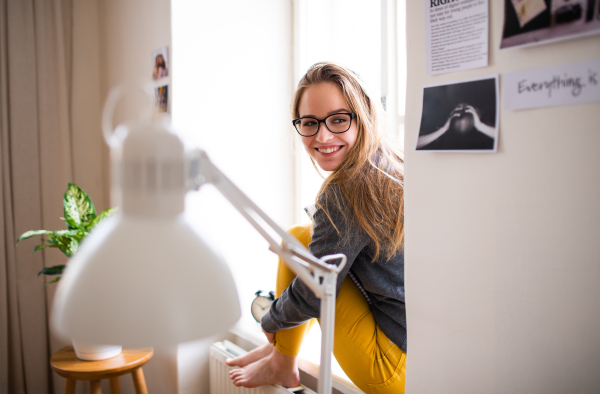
point(219, 374)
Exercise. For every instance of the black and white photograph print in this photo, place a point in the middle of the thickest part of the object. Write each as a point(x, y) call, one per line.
point(160, 59)
point(461, 116)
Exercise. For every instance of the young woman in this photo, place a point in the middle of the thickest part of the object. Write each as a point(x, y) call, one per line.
point(359, 212)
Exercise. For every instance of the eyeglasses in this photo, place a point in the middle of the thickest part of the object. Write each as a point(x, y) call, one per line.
point(336, 123)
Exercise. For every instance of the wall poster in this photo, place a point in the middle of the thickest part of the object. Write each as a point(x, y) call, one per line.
point(460, 116)
point(530, 22)
point(456, 35)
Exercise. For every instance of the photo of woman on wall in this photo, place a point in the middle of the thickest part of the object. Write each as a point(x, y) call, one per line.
point(160, 63)
point(359, 212)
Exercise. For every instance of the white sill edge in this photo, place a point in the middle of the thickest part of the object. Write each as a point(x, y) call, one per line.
point(253, 334)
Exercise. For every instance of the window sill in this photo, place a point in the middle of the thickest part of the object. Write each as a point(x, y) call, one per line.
point(249, 335)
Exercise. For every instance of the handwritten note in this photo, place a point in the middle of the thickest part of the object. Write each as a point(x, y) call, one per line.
point(559, 85)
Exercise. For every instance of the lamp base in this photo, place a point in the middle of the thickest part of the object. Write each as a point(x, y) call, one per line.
point(92, 352)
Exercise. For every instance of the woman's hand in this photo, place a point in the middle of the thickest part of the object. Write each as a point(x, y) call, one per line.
point(476, 121)
point(429, 138)
point(270, 336)
point(479, 125)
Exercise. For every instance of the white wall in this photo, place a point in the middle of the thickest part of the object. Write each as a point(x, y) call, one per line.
point(113, 42)
point(501, 265)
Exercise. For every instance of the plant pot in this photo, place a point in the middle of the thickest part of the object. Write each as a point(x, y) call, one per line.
point(92, 352)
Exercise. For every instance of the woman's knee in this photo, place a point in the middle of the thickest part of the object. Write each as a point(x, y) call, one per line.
point(302, 232)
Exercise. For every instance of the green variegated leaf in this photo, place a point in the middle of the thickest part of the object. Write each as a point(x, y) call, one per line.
point(72, 225)
point(73, 246)
point(67, 252)
point(32, 233)
point(62, 237)
point(77, 235)
point(52, 281)
point(80, 236)
point(66, 241)
point(78, 206)
point(54, 270)
point(60, 243)
point(53, 241)
point(105, 214)
point(65, 233)
point(40, 247)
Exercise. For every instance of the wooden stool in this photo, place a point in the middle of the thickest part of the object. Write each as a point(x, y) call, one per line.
point(67, 365)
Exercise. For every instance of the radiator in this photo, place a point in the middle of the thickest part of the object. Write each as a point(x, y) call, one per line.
point(219, 374)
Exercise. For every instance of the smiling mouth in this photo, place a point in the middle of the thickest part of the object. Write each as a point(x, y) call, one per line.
point(329, 150)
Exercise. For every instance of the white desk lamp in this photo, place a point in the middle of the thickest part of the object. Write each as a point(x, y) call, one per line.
point(143, 277)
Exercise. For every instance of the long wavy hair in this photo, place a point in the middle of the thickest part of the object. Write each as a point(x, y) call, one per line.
point(371, 176)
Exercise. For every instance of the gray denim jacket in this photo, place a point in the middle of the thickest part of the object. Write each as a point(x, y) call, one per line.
point(382, 281)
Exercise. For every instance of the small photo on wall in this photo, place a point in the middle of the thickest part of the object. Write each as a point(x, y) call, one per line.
point(461, 116)
point(160, 59)
point(162, 98)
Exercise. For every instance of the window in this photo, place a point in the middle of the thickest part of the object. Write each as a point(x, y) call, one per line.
point(232, 81)
point(234, 72)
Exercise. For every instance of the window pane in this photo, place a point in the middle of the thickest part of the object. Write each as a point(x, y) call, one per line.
point(342, 31)
point(347, 32)
point(401, 23)
point(231, 92)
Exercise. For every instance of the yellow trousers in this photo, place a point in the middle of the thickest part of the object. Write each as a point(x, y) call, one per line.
point(364, 352)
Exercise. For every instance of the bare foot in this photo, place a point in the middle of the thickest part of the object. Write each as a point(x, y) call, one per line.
point(275, 368)
point(251, 356)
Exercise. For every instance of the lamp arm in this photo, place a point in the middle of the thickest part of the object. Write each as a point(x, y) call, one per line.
point(317, 274)
point(309, 268)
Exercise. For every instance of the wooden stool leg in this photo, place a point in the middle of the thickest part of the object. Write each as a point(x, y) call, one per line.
point(70, 386)
point(138, 381)
point(95, 387)
point(115, 385)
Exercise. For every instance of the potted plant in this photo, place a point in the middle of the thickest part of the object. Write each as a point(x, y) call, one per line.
point(80, 217)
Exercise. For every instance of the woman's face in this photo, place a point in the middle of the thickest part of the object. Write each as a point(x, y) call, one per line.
point(326, 148)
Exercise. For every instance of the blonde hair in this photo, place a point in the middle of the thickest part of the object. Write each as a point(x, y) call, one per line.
point(371, 176)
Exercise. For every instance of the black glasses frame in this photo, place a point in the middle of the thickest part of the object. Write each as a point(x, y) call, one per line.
point(324, 121)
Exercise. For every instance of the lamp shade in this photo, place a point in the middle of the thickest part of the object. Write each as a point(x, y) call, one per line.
point(145, 282)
